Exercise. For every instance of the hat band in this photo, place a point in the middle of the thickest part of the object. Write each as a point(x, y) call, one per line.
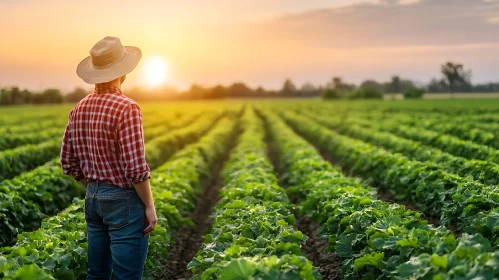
point(109, 64)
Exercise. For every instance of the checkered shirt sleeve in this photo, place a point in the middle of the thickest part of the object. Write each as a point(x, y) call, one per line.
point(131, 143)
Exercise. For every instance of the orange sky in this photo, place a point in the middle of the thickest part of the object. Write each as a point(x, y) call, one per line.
point(260, 43)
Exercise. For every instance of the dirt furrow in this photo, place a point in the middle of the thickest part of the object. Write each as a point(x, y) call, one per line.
point(188, 240)
point(315, 247)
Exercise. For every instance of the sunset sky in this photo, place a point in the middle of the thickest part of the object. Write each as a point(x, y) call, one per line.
point(260, 42)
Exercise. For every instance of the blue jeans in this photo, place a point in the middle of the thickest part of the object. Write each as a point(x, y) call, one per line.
point(115, 223)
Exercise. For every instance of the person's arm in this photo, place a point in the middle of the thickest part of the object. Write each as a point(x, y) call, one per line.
point(131, 142)
point(144, 191)
point(69, 162)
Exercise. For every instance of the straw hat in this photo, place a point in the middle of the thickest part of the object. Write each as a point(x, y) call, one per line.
point(108, 60)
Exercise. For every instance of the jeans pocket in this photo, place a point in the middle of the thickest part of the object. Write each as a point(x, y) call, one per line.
point(91, 215)
point(115, 211)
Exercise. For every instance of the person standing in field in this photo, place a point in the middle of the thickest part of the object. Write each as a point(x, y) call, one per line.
point(103, 148)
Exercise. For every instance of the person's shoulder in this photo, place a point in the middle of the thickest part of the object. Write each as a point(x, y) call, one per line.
point(127, 105)
point(128, 102)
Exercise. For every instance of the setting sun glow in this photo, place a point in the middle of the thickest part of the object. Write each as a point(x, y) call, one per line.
point(156, 71)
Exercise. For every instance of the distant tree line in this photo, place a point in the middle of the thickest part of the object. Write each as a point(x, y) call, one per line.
point(15, 96)
point(455, 78)
point(236, 90)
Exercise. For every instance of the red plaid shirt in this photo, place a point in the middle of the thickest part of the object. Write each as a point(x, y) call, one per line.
point(104, 139)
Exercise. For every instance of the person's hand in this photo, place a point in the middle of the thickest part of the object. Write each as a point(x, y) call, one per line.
point(151, 220)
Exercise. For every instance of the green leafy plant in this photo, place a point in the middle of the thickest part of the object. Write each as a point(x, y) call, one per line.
point(31, 196)
point(457, 200)
point(15, 161)
point(166, 145)
point(372, 237)
point(253, 233)
point(59, 247)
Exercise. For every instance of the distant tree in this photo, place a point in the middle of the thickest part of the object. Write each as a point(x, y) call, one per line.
point(414, 93)
point(367, 93)
point(260, 91)
point(217, 92)
point(5, 97)
point(406, 84)
point(330, 93)
point(239, 90)
point(372, 84)
point(196, 91)
point(335, 83)
point(395, 85)
point(28, 96)
point(398, 85)
point(338, 84)
point(456, 76)
point(76, 95)
point(288, 88)
point(16, 96)
point(50, 95)
point(309, 89)
point(438, 86)
point(487, 87)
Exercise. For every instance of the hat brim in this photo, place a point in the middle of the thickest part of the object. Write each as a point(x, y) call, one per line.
point(92, 75)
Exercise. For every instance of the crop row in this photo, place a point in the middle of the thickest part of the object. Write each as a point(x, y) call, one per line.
point(441, 109)
point(12, 140)
point(178, 183)
point(25, 151)
point(27, 157)
point(354, 221)
point(445, 142)
point(469, 117)
point(253, 234)
point(376, 240)
point(468, 131)
point(167, 144)
point(158, 129)
point(59, 247)
point(469, 205)
point(31, 126)
point(14, 119)
point(24, 158)
point(467, 128)
point(483, 171)
point(37, 132)
point(31, 196)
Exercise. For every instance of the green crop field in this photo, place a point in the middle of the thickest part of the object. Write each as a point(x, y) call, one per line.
point(275, 189)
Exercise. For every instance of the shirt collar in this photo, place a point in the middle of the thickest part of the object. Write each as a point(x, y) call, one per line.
point(104, 88)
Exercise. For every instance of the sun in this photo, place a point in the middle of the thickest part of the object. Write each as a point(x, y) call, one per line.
point(156, 71)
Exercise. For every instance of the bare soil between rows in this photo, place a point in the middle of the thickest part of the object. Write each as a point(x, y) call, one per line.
point(315, 248)
point(188, 240)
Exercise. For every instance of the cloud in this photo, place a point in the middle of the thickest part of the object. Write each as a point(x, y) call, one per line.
point(493, 20)
point(392, 23)
point(408, 2)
